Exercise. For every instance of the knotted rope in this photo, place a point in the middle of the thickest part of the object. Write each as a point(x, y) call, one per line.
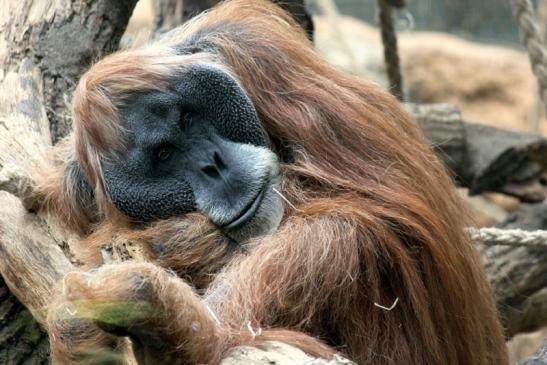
point(389, 40)
point(508, 237)
point(531, 39)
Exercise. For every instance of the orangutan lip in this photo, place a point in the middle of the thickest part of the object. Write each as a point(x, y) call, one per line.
point(247, 213)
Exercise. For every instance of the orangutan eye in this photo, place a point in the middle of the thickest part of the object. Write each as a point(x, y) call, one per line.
point(163, 152)
point(186, 118)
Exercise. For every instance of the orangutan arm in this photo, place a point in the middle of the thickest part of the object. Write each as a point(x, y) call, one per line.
point(310, 265)
point(77, 340)
point(160, 310)
point(191, 246)
point(165, 320)
point(283, 285)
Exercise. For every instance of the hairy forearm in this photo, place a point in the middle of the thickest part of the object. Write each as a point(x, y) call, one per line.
point(162, 315)
point(294, 275)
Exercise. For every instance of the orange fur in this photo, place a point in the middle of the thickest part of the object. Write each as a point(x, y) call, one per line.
point(373, 217)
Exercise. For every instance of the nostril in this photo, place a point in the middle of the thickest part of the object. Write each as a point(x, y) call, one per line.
point(218, 161)
point(211, 171)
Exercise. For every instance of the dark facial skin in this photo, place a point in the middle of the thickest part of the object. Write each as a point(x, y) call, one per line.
point(199, 146)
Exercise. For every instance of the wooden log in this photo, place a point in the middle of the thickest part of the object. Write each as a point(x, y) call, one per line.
point(484, 158)
point(519, 274)
point(276, 353)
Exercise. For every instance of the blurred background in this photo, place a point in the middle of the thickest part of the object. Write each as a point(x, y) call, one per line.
point(462, 52)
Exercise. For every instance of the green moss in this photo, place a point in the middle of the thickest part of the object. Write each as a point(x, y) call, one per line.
point(119, 314)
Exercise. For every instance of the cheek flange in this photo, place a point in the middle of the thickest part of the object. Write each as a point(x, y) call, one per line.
point(219, 99)
point(146, 199)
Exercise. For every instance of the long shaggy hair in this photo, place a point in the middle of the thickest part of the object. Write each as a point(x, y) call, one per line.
point(372, 218)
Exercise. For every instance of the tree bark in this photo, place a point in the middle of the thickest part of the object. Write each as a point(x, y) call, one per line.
point(484, 158)
point(22, 340)
point(519, 274)
point(276, 353)
point(59, 39)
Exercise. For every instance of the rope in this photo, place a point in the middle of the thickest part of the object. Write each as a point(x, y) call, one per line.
point(508, 237)
point(531, 39)
point(389, 40)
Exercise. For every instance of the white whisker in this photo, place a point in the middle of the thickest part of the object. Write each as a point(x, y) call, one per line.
point(287, 200)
